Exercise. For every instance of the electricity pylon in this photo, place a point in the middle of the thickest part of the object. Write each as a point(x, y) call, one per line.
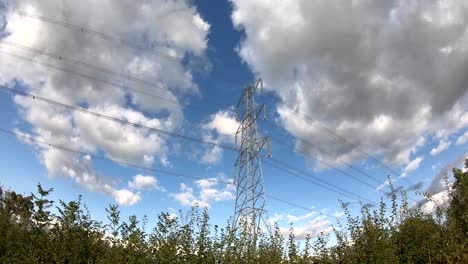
point(251, 209)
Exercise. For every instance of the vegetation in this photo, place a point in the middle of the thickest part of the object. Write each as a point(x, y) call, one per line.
point(31, 233)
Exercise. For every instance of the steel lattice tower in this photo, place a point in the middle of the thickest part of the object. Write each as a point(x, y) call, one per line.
point(250, 209)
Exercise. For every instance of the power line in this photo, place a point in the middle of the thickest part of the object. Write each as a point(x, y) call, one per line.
point(300, 206)
point(95, 67)
point(121, 121)
point(307, 142)
point(340, 138)
point(331, 166)
point(89, 77)
point(138, 46)
point(90, 66)
point(48, 65)
point(101, 69)
point(143, 47)
point(50, 145)
point(319, 182)
point(285, 131)
point(124, 87)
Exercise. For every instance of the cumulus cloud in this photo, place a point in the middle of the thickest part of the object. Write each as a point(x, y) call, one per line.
point(413, 165)
point(79, 169)
point(438, 189)
point(209, 190)
point(309, 223)
point(211, 155)
point(382, 74)
point(443, 145)
point(220, 128)
point(126, 197)
point(143, 182)
point(314, 228)
point(224, 123)
point(440, 199)
point(179, 31)
point(296, 218)
point(462, 139)
point(438, 182)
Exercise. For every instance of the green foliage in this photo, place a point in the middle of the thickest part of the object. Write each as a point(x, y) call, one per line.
point(31, 233)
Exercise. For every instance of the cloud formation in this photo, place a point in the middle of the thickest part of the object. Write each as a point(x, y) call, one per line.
point(438, 189)
point(179, 31)
point(443, 145)
point(209, 190)
point(462, 139)
point(382, 74)
point(220, 128)
point(413, 165)
point(308, 223)
point(143, 182)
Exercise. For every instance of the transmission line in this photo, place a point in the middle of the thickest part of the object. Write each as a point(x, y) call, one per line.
point(90, 66)
point(330, 166)
point(144, 48)
point(124, 87)
point(138, 91)
point(101, 69)
point(137, 46)
point(300, 206)
point(114, 119)
point(316, 181)
point(94, 156)
point(174, 102)
point(340, 138)
point(307, 142)
point(166, 99)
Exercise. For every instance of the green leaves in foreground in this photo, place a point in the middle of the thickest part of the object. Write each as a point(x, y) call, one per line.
point(31, 233)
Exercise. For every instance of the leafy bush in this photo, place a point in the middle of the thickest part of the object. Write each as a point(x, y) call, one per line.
point(30, 233)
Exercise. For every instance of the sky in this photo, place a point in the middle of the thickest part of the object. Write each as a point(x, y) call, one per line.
point(355, 92)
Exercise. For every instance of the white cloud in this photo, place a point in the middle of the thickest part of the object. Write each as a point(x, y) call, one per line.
point(211, 155)
point(142, 182)
point(374, 74)
point(180, 31)
point(79, 169)
point(383, 185)
point(443, 145)
point(338, 214)
point(119, 141)
point(413, 165)
point(209, 190)
point(126, 197)
point(313, 227)
point(308, 223)
point(224, 123)
point(437, 184)
point(463, 139)
point(294, 218)
point(221, 128)
point(440, 199)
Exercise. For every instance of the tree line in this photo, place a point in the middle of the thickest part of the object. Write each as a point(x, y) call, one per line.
point(394, 233)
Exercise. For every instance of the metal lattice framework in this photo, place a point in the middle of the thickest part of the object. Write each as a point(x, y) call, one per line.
point(250, 209)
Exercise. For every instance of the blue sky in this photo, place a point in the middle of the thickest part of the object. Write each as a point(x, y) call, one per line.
point(368, 86)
